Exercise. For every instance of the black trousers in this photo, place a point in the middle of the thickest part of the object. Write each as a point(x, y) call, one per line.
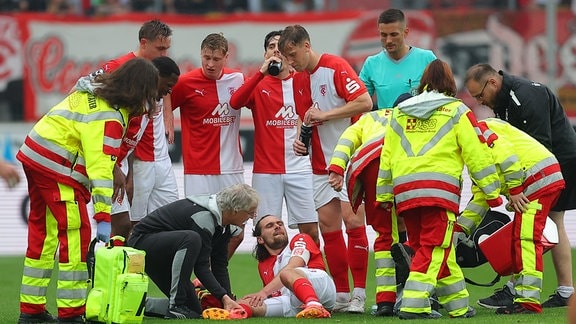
point(170, 259)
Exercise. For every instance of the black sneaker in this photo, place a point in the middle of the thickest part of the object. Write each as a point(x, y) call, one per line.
point(434, 302)
point(555, 300)
point(471, 312)
point(402, 256)
point(410, 316)
point(515, 308)
point(501, 298)
point(384, 309)
point(71, 320)
point(44, 317)
point(181, 312)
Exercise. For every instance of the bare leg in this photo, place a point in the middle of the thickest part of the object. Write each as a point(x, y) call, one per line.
point(572, 311)
point(352, 220)
point(401, 229)
point(310, 229)
point(562, 253)
point(121, 224)
point(330, 216)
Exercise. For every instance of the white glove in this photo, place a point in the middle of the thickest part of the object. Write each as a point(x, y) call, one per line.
point(462, 238)
point(103, 230)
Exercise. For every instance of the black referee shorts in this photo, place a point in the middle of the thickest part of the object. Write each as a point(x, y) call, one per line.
point(567, 199)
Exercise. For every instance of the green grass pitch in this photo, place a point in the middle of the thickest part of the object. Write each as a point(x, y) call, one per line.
point(244, 276)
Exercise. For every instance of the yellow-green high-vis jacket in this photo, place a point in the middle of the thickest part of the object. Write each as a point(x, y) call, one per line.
point(428, 141)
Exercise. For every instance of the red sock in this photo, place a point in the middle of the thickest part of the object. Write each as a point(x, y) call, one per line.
point(303, 290)
point(358, 255)
point(337, 260)
point(533, 307)
point(247, 309)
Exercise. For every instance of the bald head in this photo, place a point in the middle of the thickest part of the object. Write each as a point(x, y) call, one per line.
point(480, 72)
point(483, 83)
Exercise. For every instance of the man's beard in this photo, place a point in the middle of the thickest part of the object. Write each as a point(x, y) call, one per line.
point(277, 242)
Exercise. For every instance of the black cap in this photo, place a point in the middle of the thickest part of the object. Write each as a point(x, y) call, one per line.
point(401, 98)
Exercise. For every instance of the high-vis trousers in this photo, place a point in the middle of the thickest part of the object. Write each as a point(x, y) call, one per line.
point(58, 220)
point(386, 228)
point(434, 265)
point(527, 250)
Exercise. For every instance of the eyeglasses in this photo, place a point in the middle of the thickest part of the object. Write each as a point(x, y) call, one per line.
point(481, 94)
point(251, 214)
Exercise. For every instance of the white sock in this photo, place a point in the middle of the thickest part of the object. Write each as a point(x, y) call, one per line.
point(313, 303)
point(510, 286)
point(342, 297)
point(359, 292)
point(565, 291)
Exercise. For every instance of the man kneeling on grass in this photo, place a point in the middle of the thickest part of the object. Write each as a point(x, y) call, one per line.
point(294, 276)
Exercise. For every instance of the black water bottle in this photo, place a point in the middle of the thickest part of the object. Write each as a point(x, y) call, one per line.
point(305, 134)
point(274, 68)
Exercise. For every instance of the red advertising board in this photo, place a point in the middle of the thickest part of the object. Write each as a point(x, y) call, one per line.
point(42, 56)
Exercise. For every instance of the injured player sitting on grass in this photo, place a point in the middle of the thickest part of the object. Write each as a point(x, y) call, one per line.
point(293, 273)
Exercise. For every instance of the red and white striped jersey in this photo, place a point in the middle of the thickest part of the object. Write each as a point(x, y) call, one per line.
point(153, 145)
point(332, 84)
point(136, 125)
point(131, 140)
point(301, 245)
point(210, 127)
point(273, 104)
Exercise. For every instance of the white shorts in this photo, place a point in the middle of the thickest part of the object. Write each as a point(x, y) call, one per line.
point(288, 305)
point(295, 188)
point(323, 193)
point(123, 207)
point(196, 184)
point(154, 186)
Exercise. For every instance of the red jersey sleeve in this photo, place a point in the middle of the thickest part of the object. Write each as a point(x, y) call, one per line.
point(348, 84)
point(177, 96)
point(304, 241)
point(243, 96)
point(129, 140)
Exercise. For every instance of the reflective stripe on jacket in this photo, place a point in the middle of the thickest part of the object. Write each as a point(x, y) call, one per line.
point(77, 143)
point(429, 139)
point(524, 165)
point(358, 145)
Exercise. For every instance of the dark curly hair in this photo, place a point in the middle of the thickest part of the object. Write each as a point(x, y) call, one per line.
point(134, 86)
point(259, 252)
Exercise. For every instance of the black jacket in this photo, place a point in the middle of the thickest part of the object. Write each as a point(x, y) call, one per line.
point(533, 108)
point(199, 214)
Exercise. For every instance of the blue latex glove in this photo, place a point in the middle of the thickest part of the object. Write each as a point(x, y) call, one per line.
point(103, 230)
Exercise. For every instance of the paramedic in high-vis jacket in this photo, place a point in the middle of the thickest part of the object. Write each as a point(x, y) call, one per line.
point(357, 157)
point(428, 140)
point(532, 179)
point(68, 159)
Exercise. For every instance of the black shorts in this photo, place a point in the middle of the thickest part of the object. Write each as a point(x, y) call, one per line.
point(567, 199)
